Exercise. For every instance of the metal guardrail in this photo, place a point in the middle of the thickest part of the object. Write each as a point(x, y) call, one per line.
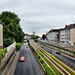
point(39, 63)
point(68, 52)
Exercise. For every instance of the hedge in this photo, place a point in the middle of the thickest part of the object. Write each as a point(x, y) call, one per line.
point(18, 45)
point(2, 53)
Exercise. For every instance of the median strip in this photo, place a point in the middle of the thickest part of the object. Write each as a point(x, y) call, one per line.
point(48, 62)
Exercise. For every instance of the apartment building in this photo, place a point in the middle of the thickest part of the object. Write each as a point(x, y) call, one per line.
point(67, 35)
point(52, 35)
point(1, 35)
point(62, 36)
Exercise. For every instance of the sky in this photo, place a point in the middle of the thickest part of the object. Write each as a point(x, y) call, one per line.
point(41, 15)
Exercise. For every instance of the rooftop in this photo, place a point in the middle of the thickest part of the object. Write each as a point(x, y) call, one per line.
point(67, 27)
point(53, 30)
point(1, 23)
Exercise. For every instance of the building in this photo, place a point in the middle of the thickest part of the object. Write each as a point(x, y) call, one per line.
point(67, 34)
point(27, 36)
point(62, 36)
point(52, 35)
point(33, 33)
point(1, 35)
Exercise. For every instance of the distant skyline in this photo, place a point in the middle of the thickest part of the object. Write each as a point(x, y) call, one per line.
point(41, 15)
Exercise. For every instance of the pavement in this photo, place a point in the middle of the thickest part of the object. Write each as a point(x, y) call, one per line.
point(30, 66)
point(13, 65)
point(66, 59)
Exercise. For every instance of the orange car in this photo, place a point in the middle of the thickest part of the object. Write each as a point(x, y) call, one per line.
point(22, 58)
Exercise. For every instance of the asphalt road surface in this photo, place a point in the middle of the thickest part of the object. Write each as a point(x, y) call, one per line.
point(30, 66)
point(67, 60)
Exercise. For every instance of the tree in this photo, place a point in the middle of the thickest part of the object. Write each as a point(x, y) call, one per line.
point(34, 37)
point(58, 37)
point(11, 29)
point(43, 36)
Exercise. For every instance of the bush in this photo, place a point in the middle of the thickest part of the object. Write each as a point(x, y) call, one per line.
point(18, 45)
point(41, 60)
point(2, 53)
point(38, 55)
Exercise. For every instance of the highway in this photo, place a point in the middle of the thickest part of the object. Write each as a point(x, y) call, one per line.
point(30, 66)
point(67, 60)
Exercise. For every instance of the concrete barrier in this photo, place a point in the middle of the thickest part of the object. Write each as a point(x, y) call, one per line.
point(11, 50)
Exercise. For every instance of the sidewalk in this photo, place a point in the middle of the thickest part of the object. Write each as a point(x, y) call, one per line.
point(13, 65)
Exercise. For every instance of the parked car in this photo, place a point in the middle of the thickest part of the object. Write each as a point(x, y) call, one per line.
point(22, 58)
point(58, 52)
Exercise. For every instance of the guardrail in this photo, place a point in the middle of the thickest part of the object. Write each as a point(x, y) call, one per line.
point(64, 68)
point(38, 61)
point(65, 51)
point(8, 58)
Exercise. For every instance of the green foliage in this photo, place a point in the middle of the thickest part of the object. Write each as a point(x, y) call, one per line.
point(47, 69)
point(8, 41)
point(50, 64)
point(11, 29)
point(58, 58)
point(57, 61)
point(2, 53)
point(43, 36)
point(57, 36)
point(34, 37)
point(41, 60)
point(38, 55)
point(18, 45)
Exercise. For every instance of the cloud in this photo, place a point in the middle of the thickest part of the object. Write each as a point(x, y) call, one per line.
point(41, 15)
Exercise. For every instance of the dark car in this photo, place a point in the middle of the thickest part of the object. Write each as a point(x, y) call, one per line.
point(58, 52)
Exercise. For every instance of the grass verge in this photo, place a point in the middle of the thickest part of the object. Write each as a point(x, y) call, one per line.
point(66, 68)
point(50, 64)
point(47, 69)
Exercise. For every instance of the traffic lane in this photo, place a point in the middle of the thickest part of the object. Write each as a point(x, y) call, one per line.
point(22, 66)
point(30, 66)
point(62, 57)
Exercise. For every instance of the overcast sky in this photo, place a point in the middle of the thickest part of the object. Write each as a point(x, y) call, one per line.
point(41, 15)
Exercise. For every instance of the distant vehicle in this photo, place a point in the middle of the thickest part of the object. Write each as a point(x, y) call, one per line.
point(22, 58)
point(58, 52)
point(50, 51)
point(23, 44)
point(27, 47)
